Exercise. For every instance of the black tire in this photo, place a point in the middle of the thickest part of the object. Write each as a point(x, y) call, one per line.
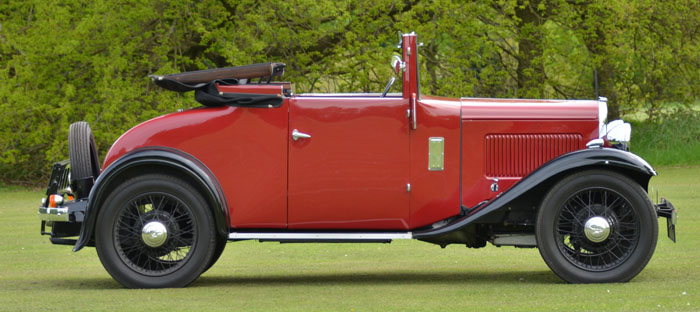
point(84, 160)
point(570, 228)
point(220, 246)
point(170, 203)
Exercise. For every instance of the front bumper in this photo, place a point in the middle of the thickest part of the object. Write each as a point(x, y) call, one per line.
point(666, 210)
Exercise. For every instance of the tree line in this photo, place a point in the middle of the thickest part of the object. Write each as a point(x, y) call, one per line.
point(64, 61)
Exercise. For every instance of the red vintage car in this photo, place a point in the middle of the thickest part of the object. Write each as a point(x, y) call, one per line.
point(258, 162)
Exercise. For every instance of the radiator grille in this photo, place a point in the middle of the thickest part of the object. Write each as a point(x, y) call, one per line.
point(516, 155)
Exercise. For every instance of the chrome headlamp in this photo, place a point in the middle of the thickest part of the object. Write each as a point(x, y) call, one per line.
point(618, 134)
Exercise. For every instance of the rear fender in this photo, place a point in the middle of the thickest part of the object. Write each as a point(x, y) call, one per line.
point(154, 157)
point(623, 162)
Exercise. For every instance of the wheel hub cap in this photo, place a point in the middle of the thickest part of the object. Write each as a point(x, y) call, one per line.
point(154, 234)
point(597, 229)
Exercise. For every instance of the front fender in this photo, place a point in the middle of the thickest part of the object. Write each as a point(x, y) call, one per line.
point(604, 158)
point(151, 157)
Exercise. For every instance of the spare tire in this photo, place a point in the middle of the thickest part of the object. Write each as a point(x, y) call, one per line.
point(84, 160)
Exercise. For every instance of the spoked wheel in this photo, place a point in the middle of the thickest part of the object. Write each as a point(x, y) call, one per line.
point(597, 227)
point(154, 234)
point(155, 231)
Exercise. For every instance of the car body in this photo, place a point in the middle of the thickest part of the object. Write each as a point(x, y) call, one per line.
point(358, 168)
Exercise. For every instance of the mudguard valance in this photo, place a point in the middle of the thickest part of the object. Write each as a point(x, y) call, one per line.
point(156, 156)
point(605, 158)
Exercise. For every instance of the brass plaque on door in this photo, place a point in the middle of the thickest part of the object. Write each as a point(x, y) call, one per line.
point(436, 153)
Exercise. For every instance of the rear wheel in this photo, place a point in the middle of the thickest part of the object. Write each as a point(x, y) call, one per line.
point(596, 227)
point(218, 250)
point(155, 231)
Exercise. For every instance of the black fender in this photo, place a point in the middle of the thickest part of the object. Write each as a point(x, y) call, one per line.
point(623, 162)
point(175, 160)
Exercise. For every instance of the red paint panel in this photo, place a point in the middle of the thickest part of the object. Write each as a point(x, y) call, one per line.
point(516, 155)
point(516, 109)
point(511, 149)
point(410, 74)
point(245, 148)
point(435, 194)
point(352, 172)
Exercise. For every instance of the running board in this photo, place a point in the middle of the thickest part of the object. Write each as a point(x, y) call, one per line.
point(309, 237)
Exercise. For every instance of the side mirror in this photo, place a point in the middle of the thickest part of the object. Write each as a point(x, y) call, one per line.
point(398, 65)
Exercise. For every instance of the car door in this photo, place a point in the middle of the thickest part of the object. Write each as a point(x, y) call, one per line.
point(348, 163)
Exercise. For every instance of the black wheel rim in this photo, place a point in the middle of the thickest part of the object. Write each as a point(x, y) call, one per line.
point(624, 225)
point(181, 234)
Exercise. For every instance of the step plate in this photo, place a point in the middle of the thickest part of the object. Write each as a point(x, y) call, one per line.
point(320, 236)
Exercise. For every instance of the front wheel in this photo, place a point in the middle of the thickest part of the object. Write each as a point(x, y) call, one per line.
point(596, 227)
point(155, 231)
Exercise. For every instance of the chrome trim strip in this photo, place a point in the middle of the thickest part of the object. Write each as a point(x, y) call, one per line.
point(413, 112)
point(321, 236)
point(595, 143)
point(353, 95)
point(53, 214)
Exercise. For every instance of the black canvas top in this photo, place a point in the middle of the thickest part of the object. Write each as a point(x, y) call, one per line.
point(207, 92)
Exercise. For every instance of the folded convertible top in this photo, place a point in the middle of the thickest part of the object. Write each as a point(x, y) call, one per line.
point(204, 82)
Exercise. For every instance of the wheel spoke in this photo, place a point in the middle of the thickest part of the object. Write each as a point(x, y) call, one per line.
point(629, 225)
point(584, 205)
point(614, 204)
point(154, 207)
point(620, 237)
point(577, 248)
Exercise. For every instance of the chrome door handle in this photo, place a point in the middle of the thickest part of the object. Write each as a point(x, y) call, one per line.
point(296, 135)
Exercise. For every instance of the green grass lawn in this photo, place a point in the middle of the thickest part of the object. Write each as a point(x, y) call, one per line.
point(404, 275)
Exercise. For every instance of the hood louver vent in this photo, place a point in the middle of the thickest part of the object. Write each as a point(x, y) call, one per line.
point(516, 155)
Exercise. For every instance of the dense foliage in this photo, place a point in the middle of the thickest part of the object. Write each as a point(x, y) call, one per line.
point(64, 61)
